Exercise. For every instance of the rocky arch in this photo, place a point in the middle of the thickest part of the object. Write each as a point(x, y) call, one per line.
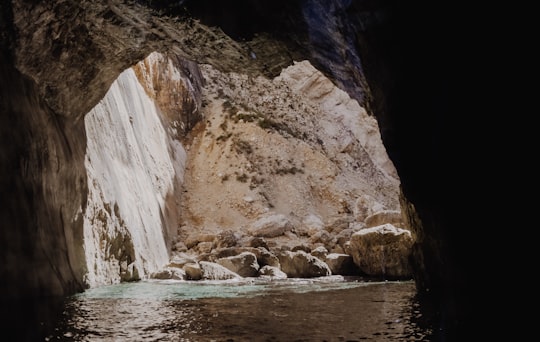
point(58, 58)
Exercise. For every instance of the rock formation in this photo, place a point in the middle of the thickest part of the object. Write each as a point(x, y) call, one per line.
point(59, 58)
point(279, 159)
point(133, 166)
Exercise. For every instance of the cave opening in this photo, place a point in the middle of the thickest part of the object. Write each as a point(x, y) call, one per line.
point(50, 58)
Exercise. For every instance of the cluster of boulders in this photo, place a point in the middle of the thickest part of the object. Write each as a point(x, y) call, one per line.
point(272, 247)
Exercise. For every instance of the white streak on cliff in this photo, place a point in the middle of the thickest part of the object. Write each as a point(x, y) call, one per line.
point(131, 164)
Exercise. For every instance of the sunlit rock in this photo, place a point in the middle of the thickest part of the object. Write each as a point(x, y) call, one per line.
point(226, 239)
point(271, 226)
point(301, 247)
point(300, 264)
point(180, 260)
point(244, 264)
point(320, 252)
point(382, 251)
point(135, 166)
point(392, 217)
point(338, 223)
point(344, 236)
point(323, 238)
point(266, 258)
point(175, 85)
point(204, 247)
point(257, 241)
point(364, 206)
point(214, 271)
point(272, 272)
point(311, 224)
point(195, 237)
point(169, 273)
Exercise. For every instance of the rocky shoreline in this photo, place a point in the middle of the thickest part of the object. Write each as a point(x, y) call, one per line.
point(277, 249)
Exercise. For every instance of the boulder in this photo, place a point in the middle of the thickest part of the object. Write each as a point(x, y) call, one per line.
point(320, 252)
point(337, 223)
point(244, 264)
point(382, 251)
point(365, 206)
point(300, 264)
point(341, 264)
point(257, 241)
point(193, 271)
point(271, 226)
point(272, 272)
point(195, 238)
point(392, 217)
point(265, 258)
point(311, 224)
point(323, 237)
point(214, 271)
point(225, 239)
point(180, 260)
point(169, 273)
point(204, 247)
point(343, 236)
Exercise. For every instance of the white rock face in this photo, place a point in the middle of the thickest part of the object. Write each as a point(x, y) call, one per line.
point(344, 121)
point(133, 169)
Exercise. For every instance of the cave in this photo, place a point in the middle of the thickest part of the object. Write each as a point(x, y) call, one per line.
point(59, 58)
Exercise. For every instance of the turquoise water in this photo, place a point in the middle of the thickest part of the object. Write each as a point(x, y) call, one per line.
point(319, 309)
point(246, 288)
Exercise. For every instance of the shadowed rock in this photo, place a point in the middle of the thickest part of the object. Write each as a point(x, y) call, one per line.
point(341, 264)
point(193, 271)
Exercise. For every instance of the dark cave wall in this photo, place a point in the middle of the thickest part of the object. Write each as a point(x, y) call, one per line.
point(50, 78)
point(43, 186)
point(417, 64)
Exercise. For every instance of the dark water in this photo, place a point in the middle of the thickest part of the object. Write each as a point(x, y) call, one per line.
point(322, 309)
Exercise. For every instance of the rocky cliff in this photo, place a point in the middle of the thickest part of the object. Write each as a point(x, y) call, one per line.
point(294, 146)
point(134, 169)
point(59, 58)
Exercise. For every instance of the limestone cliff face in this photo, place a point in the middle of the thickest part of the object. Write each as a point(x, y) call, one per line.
point(134, 167)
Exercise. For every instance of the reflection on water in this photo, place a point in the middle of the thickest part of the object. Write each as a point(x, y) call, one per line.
point(322, 309)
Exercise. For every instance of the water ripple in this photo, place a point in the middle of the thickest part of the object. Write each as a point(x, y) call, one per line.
point(249, 310)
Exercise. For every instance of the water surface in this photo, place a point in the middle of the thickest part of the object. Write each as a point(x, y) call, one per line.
point(319, 309)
